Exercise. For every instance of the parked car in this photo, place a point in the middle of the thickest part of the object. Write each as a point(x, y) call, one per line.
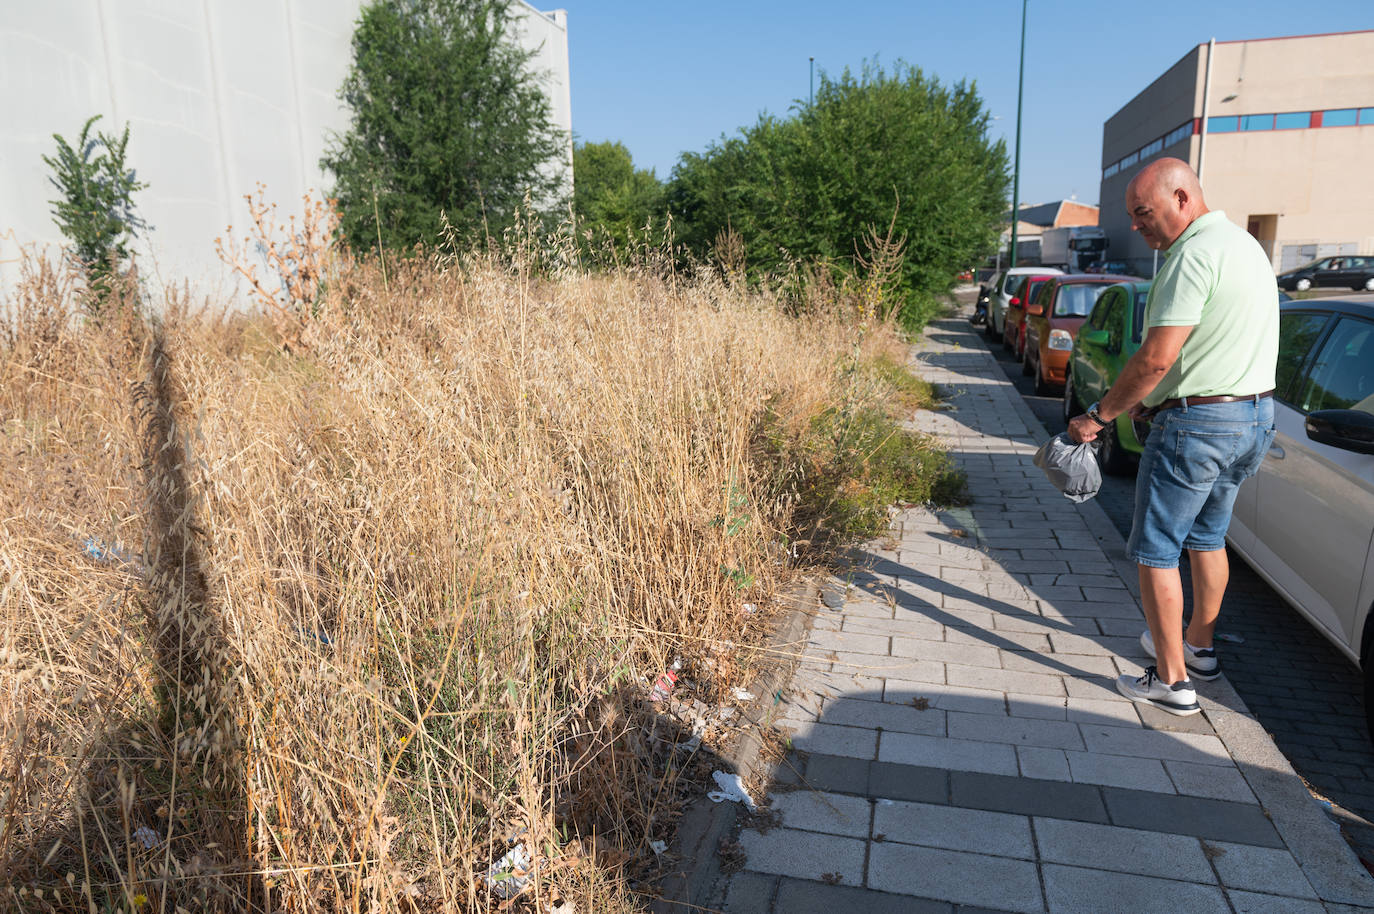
point(1345, 272)
point(999, 294)
point(1104, 343)
point(1108, 266)
point(1053, 319)
point(1305, 522)
point(1013, 333)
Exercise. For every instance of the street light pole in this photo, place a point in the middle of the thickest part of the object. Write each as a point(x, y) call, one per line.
point(1016, 168)
point(811, 92)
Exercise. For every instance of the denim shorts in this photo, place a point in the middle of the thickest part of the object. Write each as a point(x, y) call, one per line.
point(1195, 459)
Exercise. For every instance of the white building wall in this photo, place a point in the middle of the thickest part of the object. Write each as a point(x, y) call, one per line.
point(218, 94)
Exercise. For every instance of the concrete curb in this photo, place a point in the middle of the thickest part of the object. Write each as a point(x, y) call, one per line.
point(704, 823)
point(1313, 837)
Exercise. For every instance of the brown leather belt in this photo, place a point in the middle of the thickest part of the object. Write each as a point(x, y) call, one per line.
point(1220, 398)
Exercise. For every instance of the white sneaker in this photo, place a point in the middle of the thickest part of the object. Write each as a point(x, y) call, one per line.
point(1179, 698)
point(1202, 662)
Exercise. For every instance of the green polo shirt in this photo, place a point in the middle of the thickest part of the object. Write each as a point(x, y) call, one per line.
point(1217, 279)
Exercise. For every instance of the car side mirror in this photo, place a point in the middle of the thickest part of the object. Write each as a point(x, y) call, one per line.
point(1347, 429)
point(1035, 310)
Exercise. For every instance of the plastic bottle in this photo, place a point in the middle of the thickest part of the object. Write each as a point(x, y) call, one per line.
point(664, 686)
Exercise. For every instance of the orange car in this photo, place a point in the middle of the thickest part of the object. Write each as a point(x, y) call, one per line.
point(1052, 321)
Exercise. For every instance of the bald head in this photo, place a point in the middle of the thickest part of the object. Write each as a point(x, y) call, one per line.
point(1163, 199)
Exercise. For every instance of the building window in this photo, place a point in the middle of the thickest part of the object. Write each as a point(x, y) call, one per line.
point(1110, 170)
point(1257, 122)
point(1150, 149)
point(1179, 133)
point(1367, 115)
point(1342, 117)
point(1130, 160)
point(1222, 124)
point(1293, 120)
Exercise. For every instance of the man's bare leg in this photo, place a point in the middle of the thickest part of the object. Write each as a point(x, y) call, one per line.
point(1211, 573)
point(1161, 590)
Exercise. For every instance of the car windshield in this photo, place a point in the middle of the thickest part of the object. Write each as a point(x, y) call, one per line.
point(1077, 300)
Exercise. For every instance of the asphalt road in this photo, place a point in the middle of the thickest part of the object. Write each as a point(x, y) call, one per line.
point(1304, 692)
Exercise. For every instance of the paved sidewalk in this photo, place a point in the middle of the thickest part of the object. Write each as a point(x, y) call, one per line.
point(960, 744)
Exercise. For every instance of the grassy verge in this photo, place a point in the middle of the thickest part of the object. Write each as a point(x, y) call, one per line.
point(339, 625)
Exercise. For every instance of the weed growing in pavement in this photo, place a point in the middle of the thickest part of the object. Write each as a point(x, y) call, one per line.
point(337, 627)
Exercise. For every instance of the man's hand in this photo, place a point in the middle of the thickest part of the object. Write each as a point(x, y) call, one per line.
point(1082, 428)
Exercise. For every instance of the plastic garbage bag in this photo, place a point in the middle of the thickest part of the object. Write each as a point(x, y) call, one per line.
point(1071, 468)
point(731, 788)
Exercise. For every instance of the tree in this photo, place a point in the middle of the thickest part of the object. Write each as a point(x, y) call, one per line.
point(611, 198)
point(448, 124)
point(810, 185)
point(96, 209)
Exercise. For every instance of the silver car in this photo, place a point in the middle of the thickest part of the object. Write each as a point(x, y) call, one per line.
point(1305, 522)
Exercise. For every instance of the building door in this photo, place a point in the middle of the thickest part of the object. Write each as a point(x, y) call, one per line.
point(1264, 227)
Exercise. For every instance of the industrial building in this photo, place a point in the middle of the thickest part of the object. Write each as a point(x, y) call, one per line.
point(219, 96)
point(1281, 130)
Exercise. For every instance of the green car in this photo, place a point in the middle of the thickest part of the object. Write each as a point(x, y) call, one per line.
point(1111, 335)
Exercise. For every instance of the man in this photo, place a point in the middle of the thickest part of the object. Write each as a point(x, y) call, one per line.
point(1205, 373)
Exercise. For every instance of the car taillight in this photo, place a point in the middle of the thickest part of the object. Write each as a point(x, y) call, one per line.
point(1060, 339)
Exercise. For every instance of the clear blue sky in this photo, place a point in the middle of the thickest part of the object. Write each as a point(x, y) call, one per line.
point(665, 78)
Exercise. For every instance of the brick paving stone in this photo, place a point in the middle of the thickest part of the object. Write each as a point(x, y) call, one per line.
point(832, 813)
point(1072, 666)
point(939, 752)
point(797, 896)
point(1043, 707)
point(1183, 747)
point(1103, 712)
point(1075, 890)
point(944, 697)
point(1260, 869)
point(1119, 771)
point(1124, 850)
point(804, 854)
point(850, 642)
point(837, 773)
point(1003, 680)
point(889, 780)
point(1215, 820)
point(901, 628)
point(831, 739)
point(1016, 731)
point(1004, 883)
point(1043, 764)
point(1001, 638)
point(750, 893)
point(945, 651)
point(954, 828)
point(884, 716)
point(1080, 802)
point(874, 665)
point(1253, 903)
point(1210, 781)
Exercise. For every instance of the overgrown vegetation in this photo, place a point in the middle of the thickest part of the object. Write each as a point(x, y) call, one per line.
point(451, 130)
point(95, 210)
point(615, 203)
point(338, 626)
point(875, 150)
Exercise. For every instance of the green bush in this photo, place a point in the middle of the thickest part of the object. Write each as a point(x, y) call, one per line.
point(810, 186)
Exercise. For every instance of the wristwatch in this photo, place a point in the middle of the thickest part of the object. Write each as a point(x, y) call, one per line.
point(1096, 417)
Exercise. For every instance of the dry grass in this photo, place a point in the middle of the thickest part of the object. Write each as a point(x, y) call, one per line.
point(387, 599)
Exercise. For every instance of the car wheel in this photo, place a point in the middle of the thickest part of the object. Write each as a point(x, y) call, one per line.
point(1111, 456)
point(988, 330)
point(1009, 339)
point(1027, 368)
point(1070, 398)
point(1369, 284)
point(1367, 664)
point(1302, 285)
point(1042, 385)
